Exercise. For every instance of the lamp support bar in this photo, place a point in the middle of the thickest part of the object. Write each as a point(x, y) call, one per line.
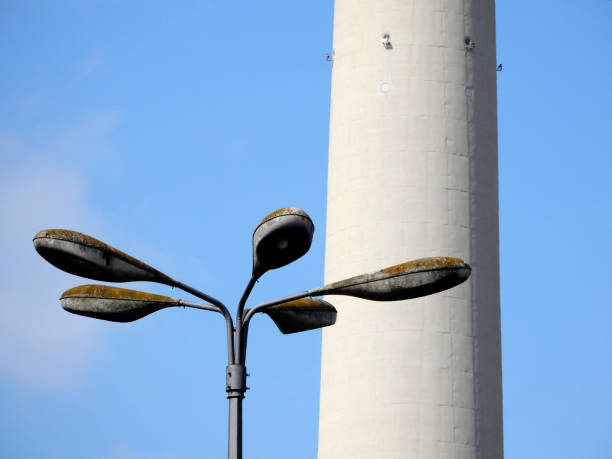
point(229, 324)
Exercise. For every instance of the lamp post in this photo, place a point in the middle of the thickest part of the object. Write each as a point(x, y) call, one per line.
point(280, 238)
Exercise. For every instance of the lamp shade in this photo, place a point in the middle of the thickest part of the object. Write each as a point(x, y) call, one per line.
point(113, 303)
point(413, 279)
point(85, 256)
point(281, 238)
point(301, 315)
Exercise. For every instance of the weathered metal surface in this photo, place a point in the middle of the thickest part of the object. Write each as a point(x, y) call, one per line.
point(281, 212)
point(113, 303)
point(281, 238)
point(86, 256)
point(301, 315)
point(408, 280)
point(235, 380)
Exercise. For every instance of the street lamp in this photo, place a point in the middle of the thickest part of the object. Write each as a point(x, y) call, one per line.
point(280, 238)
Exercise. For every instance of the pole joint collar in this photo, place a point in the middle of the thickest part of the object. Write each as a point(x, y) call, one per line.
point(235, 380)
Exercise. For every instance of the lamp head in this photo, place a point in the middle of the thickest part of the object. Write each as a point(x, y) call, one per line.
point(301, 315)
point(113, 303)
point(82, 255)
point(413, 279)
point(281, 238)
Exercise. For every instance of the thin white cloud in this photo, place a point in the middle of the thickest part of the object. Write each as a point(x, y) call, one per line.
point(126, 452)
point(40, 344)
point(89, 66)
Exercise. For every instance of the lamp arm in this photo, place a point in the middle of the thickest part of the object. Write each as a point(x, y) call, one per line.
point(229, 324)
point(194, 305)
point(261, 307)
point(242, 336)
point(242, 329)
point(245, 296)
point(202, 295)
point(241, 344)
point(242, 320)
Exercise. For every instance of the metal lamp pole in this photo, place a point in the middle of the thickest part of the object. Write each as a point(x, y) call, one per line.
point(279, 239)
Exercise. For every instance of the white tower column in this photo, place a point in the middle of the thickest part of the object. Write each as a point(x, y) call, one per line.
point(413, 173)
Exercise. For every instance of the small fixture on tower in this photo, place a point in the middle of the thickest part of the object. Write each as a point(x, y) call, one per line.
point(469, 44)
point(386, 41)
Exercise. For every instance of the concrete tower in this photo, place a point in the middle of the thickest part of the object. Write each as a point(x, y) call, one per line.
point(413, 173)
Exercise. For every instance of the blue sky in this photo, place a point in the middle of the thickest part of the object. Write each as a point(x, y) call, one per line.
point(169, 131)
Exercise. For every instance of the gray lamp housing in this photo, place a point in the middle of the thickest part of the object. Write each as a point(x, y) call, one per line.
point(281, 238)
point(82, 255)
point(302, 315)
point(405, 281)
point(113, 303)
